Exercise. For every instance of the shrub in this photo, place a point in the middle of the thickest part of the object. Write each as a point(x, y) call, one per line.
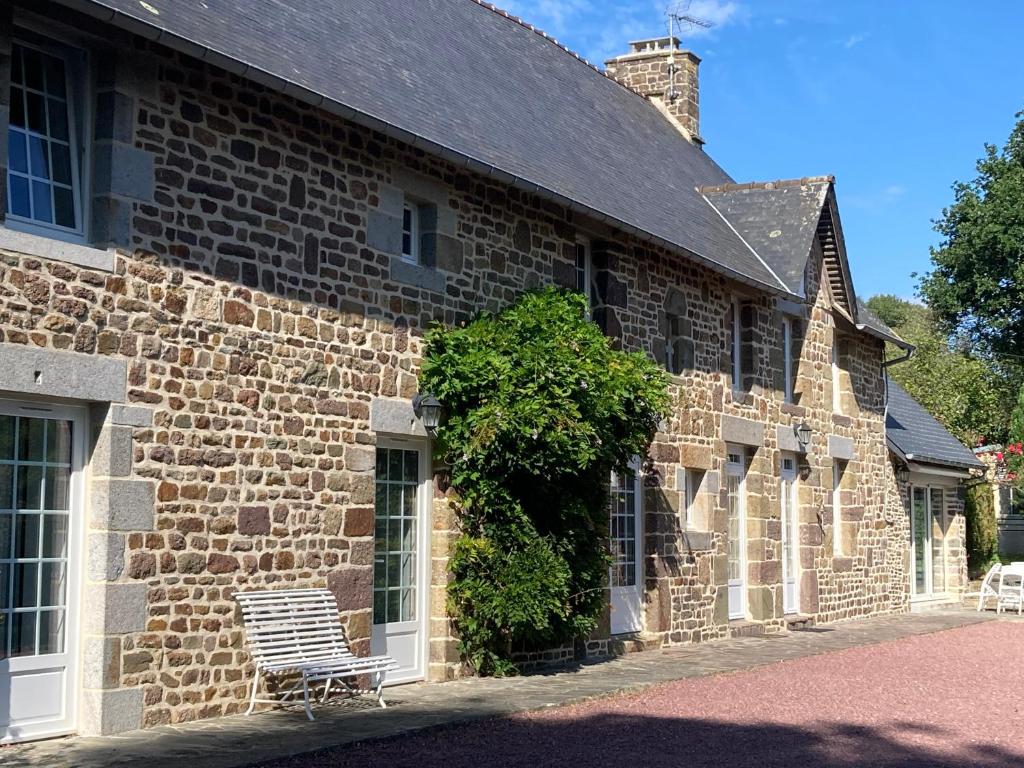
point(539, 409)
point(982, 536)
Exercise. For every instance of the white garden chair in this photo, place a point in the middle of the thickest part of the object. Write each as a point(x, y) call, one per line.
point(1011, 588)
point(990, 586)
point(297, 631)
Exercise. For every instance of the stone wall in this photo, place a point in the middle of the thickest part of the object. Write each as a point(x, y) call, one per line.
point(262, 313)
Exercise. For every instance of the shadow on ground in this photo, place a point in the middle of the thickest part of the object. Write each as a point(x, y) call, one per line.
point(616, 741)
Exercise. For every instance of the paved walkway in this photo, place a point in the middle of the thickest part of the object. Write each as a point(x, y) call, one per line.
point(232, 742)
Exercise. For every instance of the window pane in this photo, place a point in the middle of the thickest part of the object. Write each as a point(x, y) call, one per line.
point(6, 521)
point(30, 439)
point(26, 536)
point(58, 479)
point(18, 202)
point(23, 634)
point(58, 119)
point(55, 78)
point(411, 470)
point(7, 437)
point(17, 107)
point(39, 157)
point(61, 157)
point(51, 632)
point(17, 151)
point(55, 536)
point(26, 584)
point(64, 207)
point(6, 487)
point(17, 73)
point(42, 206)
point(408, 605)
point(394, 465)
point(58, 441)
point(33, 68)
point(394, 612)
point(5, 597)
point(406, 244)
point(52, 593)
point(35, 108)
point(378, 607)
point(30, 486)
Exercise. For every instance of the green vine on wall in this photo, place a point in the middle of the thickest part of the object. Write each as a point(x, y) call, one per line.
point(539, 409)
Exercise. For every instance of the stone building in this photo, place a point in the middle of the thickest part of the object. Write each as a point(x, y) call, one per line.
point(224, 236)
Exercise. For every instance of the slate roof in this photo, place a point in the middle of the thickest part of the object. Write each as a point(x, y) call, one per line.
point(915, 435)
point(778, 219)
point(467, 81)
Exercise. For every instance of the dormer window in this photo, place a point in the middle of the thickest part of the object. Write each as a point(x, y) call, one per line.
point(44, 186)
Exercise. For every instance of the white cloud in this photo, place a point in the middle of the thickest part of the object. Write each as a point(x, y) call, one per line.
point(555, 17)
point(874, 201)
point(853, 40)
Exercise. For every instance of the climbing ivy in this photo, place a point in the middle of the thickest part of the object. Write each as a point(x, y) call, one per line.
point(539, 409)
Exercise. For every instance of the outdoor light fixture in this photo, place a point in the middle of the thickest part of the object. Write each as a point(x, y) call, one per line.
point(803, 434)
point(428, 408)
point(902, 474)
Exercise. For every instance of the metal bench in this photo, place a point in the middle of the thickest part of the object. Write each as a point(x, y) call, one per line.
point(297, 631)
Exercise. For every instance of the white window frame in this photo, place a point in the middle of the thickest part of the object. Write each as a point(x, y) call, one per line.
point(787, 359)
point(79, 100)
point(837, 508)
point(415, 210)
point(737, 347)
point(692, 481)
point(588, 269)
point(837, 389)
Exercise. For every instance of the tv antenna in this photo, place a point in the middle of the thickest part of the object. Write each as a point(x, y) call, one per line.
point(679, 16)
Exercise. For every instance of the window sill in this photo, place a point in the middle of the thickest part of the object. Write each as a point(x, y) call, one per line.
point(56, 250)
point(427, 278)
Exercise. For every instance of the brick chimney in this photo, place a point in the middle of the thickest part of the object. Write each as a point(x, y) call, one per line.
point(667, 76)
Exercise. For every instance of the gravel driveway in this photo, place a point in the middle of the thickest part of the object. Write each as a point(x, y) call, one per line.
point(952, 698)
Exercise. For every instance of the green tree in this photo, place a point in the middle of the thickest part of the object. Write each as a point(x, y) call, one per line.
point(976, 288)
point(539, 410)
point(969, 395)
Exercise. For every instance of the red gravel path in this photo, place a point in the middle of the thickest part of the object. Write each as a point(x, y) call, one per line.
point(948, 699)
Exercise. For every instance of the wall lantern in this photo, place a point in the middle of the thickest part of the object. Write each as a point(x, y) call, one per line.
point(803, 434)
point(428, 408)
point(902, 474)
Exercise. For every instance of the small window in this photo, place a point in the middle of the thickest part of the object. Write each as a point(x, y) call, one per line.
point(838, 468)
point(674, 334)
point(691, 496)
point(44, 186)
point(837, 382)
point(411, 232)
point(788, 372)
point(736, 347)
point(584, 270)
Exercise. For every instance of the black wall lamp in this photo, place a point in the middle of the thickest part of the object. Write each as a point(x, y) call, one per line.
point(428, 408)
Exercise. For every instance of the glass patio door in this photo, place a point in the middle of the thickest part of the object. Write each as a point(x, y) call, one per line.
point(790, 537)
point(401, 542)
point(624, 520)
point(927, 545)
point(735, 485)
point(40, 513)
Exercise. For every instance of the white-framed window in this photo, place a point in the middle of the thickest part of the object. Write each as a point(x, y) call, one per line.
point(45, 140)
point(838, 467)
point(837, 384)
point(584, 270)
point(693, 478)
point(736, 344)
point(787, 359)
point(411, 228)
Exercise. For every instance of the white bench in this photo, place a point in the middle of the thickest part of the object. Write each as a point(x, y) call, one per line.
point(297, 631)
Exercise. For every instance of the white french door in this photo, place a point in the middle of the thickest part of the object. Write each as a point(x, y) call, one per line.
point(790, 537)
point(735, 483)
point(927, 541)
point(401, 581)
point(41, 455)
point(626, 544)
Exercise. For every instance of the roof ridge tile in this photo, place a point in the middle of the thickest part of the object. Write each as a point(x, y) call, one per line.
point(776, 184)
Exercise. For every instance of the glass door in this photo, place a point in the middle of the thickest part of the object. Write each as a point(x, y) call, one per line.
point(624, 540)
point(920, 542)
point(737, 540)
point(401, 543)
point(40, 505)
point(790, 537)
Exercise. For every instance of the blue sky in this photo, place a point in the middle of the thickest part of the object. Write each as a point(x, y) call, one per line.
point(895, 99)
